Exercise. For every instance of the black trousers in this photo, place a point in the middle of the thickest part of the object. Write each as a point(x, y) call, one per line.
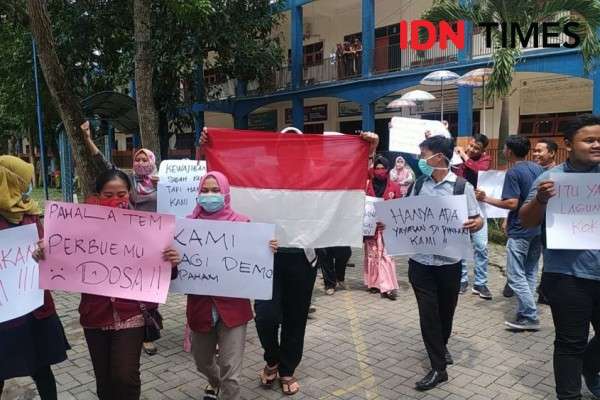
point(116, 359)
point(293, 282)
point(436, 289)
point(44, 382)
point(333, 262)
point(575, 304)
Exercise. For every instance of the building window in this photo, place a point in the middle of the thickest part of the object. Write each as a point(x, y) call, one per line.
point(546, 124)
point(313, 54)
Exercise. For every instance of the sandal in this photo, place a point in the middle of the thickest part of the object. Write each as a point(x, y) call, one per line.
point(286, 385)
point(268, 375)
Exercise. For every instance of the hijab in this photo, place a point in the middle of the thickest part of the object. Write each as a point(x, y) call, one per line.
point(224, 214)
point(399, 175)
point(143, 172)
point(15, 177)
point(379, 185)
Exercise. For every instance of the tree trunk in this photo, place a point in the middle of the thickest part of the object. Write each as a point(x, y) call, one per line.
point(163, 128)
point(31, 139)
point(503, 128)
point(144, 71)
point(64, 97)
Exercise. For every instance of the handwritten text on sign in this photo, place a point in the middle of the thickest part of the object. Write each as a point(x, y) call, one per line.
point(178, 186)
point(426, 225)
point(19, 278)
point(574, 212)
point(106, 251)
point(369, 221)
point(491, 182)
point(220, 258)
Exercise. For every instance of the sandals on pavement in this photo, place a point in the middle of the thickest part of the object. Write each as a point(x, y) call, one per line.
point(289, 385)
point(268, 375)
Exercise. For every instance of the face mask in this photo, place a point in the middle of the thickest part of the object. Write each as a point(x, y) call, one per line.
point(114, 202)
point(381, 174)
point(427, 169)
point(211, 202)
point(143, 168)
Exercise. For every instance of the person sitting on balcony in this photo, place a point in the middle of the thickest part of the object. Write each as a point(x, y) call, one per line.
point(357, 49)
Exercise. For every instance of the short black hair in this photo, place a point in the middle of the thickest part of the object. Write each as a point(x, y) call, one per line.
point(111, 175)
point(550, 144)
point(518, 144)
point(439, 144)
point(581, 121)
point(481, 138)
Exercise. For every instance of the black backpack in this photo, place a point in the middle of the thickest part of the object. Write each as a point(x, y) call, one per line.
point(459, 186)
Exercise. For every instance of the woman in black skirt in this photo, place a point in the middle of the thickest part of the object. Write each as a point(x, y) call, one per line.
point(30, 344)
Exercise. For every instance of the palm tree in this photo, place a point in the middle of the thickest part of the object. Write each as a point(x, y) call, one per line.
point(523, 12)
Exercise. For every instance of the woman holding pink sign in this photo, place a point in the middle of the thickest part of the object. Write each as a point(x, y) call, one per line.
point(218, 321)
point(115, 328)
point(30, 344)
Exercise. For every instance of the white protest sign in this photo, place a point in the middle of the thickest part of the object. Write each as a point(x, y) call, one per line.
point(369, 221)
point(407, 133)
point(222, 258)
point(178, 186)
point(491, 182)
point(20, 291)
point(573, 215)
point(426, 225)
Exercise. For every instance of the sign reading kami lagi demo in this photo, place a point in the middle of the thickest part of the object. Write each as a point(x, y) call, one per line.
point(178, 186)
point(19, 276)
point(573, 215)
point(222, 258)
point(106, 251)
point(426, 225)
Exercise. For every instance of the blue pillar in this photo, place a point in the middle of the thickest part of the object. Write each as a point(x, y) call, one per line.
point(368, 36)
point(465, 111)
point(595, 76)
point(297, 36)
point(240, 121)
point(466, 53)
point(133, 94)
point(198, 125)
point(240, 88)
point(109, 142)
point(368, 116)
point(298, 112)
point(66, 166)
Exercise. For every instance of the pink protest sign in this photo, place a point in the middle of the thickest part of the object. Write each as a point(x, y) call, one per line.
point(106, 251)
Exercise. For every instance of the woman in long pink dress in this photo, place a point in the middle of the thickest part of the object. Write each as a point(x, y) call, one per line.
point(379, 267)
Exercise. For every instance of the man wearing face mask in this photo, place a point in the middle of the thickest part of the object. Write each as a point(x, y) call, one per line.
point(436, 278)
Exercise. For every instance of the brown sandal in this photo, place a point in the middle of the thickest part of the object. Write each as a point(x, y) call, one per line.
point(268, 375)
point(286, 385)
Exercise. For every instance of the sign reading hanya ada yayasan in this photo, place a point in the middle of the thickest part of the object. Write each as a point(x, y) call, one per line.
point(106, 251)
point(19, 276)
point(178, 186)
point(426, 225)
point(573, 215)
point(222, 258)
point(492, 182)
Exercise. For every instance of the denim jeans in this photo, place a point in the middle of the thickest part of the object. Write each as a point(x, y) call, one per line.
point(479, 240)
point(575, 304)
point(522, 258)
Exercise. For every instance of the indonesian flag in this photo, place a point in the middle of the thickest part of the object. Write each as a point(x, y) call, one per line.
point(311, 186)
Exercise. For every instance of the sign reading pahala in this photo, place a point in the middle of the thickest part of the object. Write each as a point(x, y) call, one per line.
point(573, 215)
point(19, 276)
point(106, 251)
point(426, 225)
point(222, 258)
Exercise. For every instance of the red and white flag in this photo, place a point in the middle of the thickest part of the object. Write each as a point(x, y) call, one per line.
point(311, 186)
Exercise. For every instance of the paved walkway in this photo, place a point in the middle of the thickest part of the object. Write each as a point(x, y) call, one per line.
point(358, 346)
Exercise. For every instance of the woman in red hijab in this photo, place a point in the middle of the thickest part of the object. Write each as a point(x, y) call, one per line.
point(218, 321)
